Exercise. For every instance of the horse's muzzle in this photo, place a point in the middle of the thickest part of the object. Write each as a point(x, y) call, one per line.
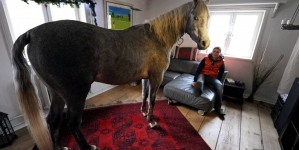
point(203, 44)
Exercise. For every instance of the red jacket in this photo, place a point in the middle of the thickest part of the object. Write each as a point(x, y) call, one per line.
point(208, 67)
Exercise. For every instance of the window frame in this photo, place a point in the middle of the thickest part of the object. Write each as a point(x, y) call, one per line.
point(81, 14)
point(244, 8)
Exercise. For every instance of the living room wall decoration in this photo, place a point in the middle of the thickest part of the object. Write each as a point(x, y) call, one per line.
point(72, 3)
point(288, 24)
point(118, 16)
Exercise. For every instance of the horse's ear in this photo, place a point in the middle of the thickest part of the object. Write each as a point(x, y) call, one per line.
point(207, 2)
point(195, 1)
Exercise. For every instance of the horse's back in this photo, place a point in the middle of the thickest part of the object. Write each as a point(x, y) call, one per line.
point(67, 32)
point(87, 52)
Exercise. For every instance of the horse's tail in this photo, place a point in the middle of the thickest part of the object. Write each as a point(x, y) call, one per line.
point(27, 97)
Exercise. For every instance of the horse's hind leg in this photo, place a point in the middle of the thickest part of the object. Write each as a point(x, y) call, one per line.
point(54, 118)
point(75, 105)
point(145, 90)
point(155, 82)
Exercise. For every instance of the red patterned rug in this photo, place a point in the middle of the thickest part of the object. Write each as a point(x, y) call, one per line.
point(123, 127)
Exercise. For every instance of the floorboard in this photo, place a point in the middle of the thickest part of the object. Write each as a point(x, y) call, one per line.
point(251, 137)
point(229, 138)
point(269, 133)
point(194, 118)
point(210, 128)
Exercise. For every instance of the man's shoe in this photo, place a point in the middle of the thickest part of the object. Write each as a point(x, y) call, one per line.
point(220, 111)
point(197, 89)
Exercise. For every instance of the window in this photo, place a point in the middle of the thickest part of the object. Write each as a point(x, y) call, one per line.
point(236, 32)
point(62, 13)
point(21, 16)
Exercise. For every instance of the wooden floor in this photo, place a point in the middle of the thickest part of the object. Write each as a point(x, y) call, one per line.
point(246, 127)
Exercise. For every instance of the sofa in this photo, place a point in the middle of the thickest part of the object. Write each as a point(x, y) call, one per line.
point(177, 86)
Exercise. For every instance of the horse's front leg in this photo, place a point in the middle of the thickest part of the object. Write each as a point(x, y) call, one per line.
point(145, 90)
point(155, 82)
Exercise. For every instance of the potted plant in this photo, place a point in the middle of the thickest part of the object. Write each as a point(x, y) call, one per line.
point(260, 74)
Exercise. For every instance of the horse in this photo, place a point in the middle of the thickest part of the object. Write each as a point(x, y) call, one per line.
point(68, 56)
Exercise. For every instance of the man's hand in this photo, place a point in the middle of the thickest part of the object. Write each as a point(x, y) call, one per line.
point(193, 83)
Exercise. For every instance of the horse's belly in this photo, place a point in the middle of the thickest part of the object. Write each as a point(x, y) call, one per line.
point(119, 79)
point(103, 79)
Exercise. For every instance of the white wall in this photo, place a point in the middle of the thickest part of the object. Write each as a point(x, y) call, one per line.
point(8, 99)
point(281, 42)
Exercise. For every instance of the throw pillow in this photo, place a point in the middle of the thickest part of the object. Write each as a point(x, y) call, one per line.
point(185, 53)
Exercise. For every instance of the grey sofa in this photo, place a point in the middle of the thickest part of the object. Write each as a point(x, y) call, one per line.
point(177, 86)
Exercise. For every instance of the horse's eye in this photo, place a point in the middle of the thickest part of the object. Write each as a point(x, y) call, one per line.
point(195, 18)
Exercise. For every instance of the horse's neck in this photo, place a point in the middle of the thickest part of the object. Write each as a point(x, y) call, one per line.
point(170, 26)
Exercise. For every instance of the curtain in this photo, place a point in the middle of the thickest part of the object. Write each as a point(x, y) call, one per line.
point(291, 71)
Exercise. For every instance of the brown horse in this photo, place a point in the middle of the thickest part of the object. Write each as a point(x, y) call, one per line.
point(69, 56)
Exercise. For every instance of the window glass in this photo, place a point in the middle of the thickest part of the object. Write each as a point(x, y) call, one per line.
point(218, 30)
point(235, 32)
point(22, 16)
point(63, 12)
point(243, 36)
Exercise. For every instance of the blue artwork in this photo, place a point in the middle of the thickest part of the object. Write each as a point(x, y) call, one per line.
point(119, 10)
point(120, 17)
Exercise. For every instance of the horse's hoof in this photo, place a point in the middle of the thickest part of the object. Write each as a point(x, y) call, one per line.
point(144, 114)
point(93, 147)
point(153, 124)
point(170, 102)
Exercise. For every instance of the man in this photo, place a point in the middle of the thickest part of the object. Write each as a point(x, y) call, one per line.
point(209, 72)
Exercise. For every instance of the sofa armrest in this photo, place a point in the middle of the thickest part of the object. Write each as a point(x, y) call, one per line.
point(224, 77)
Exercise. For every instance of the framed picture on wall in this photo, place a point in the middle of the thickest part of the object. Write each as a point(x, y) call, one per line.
point(118, 16)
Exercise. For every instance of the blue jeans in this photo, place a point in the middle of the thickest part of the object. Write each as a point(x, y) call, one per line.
point(216, 85)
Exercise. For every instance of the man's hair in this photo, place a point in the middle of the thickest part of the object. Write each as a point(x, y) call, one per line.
point(217, 48)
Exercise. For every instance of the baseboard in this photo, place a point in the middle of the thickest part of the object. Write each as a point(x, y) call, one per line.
point(20, 126)
point(17, 122)
point(257, 98)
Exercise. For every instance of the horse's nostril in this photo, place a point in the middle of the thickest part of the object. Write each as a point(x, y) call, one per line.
point(203, 43)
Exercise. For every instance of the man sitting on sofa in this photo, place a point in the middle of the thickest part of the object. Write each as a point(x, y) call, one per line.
point(209, 72)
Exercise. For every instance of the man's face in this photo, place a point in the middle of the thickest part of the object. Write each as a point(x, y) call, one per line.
point(216, 52)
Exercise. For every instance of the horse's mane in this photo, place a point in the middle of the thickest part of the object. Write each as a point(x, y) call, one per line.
point(169, 26)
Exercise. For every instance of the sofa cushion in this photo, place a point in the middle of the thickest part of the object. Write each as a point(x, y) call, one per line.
point(169, 76)
point(183, 66)
point(180, 89)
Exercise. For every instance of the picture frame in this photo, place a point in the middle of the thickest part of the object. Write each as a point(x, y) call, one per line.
point(118, 16)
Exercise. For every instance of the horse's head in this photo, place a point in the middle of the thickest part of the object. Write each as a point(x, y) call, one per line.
point(196, 25)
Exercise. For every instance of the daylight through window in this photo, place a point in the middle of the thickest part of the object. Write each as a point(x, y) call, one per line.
point(235, 32)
